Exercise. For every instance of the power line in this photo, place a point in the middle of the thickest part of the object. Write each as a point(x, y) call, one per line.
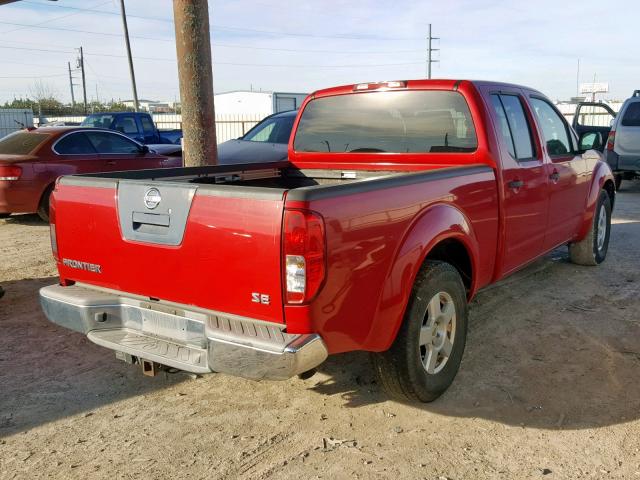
point(107, 34)
point(36, 76)
point(237, 63)
point(50, 20)
point(92, 10)
point(231, 29)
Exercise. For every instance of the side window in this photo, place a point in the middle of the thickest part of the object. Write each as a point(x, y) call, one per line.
point(631, 116)
point(126, 125)
point(514, 126)
point(505, 132)
point(147, 125)
point(74, 144)
point(106, 143)
point(262, 133)
point(554, 129)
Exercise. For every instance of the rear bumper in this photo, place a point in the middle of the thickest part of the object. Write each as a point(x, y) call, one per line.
point(622, 163)
point(176, 336)
point(17, 196)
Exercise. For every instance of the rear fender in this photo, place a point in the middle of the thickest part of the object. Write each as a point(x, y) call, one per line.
point(601, 175)
point(438, 223)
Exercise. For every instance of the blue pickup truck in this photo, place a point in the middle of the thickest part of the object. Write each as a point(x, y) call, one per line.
point(136, 125)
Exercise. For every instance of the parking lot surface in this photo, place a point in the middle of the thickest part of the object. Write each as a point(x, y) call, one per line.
point(549, 387)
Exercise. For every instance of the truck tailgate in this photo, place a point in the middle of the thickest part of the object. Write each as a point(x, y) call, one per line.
point(212, 246)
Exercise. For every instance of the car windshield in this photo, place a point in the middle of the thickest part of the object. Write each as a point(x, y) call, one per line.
point(21, 143)
point(272, 130)
point(390, 121)
point(98, 120)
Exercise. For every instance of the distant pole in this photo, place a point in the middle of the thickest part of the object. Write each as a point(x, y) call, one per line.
point(84, 81)
point(430, 51)
point(578, 80)
point(195, 72)
point(73, 98)
point(131, 72)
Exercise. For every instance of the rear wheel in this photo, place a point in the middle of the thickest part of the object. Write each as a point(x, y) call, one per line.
point(426, 354)
point(43, 206)
point(592, 249)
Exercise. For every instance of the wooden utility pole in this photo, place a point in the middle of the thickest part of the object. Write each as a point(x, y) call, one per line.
point(195, 73)
point(128, 45)
point(84, 81)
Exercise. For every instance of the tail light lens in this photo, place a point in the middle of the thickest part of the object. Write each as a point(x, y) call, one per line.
point(611, 140)
point(52, 225)
point(10, 172)
point(304, 255)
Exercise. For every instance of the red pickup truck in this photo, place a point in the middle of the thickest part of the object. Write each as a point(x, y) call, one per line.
point(399, 201)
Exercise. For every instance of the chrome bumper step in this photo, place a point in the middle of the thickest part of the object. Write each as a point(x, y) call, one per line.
point(183, 357)
point(182, 337)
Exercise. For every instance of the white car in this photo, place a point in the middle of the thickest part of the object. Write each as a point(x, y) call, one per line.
point(622, 151)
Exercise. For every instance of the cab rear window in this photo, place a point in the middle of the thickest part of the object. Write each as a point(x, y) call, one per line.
point(632, 115)
point(21, 143)
point(418, 121)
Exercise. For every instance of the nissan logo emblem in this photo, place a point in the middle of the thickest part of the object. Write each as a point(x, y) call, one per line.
point(152, 198)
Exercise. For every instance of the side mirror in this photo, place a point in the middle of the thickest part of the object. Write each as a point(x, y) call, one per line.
point(590, 141)
point(144, 149)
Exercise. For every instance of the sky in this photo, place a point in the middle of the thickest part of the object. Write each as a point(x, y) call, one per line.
point(304, 45)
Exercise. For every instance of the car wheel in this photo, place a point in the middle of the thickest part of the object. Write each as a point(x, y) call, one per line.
point(43, 206)
point(592, 249)
point(426, 354)
point(618, 180)
point(5, 215)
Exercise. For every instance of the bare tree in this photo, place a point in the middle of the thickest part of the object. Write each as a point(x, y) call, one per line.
point(40, 90)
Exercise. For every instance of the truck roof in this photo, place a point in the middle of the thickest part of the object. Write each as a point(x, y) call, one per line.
point(438, 84)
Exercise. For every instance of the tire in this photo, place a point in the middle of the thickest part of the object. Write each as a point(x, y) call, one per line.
point(618, 180)
point(5, 215)
point(43, 206)
point(592, 249)
point(401, 370)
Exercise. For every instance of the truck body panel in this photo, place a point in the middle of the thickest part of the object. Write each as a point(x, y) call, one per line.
point(468, 192)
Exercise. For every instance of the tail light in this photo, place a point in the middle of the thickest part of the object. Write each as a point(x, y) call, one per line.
point(52, 225)
point(10, 172)
point(611, 140)
point(304, 255)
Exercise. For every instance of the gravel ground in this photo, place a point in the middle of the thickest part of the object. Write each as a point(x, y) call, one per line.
point(548, 389)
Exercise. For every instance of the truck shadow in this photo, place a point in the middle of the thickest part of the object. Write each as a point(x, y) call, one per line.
point(48, 372)
point(555, 346)
point(27, 219)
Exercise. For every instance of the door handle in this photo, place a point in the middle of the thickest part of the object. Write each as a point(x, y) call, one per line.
point(555, 176)
point(111, 162)
point(515, 184)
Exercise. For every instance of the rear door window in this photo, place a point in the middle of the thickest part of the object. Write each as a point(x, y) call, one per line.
point(21, 143)
point(74, 144)
point(126, 124)
point(518, 126)
point(504, 130)
point(417, 121)
point(112, 143)
point(631, 116)
point(147, 126)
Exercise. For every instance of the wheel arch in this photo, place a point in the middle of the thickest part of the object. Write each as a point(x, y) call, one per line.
point(442, 233)
point(602, 180)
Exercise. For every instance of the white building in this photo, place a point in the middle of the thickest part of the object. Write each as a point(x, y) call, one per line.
point(242, 102)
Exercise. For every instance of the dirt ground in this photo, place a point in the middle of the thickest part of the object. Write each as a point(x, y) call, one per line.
point(549, 387)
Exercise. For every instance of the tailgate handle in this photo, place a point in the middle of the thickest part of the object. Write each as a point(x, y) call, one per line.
point(144, 218)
